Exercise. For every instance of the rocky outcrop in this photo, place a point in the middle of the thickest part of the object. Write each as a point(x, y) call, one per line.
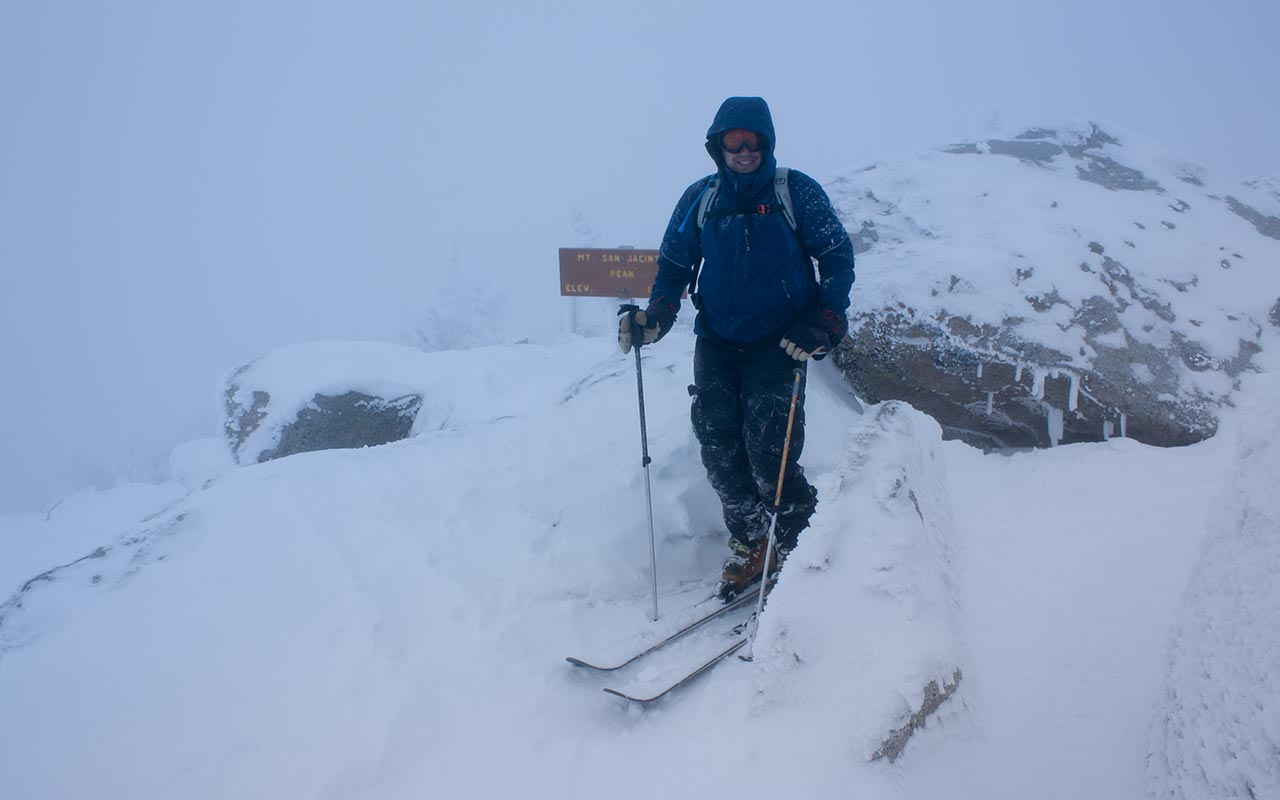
point(1266, 224)
point(327, 395)
point(1060, 285)
point(321, 396)
point(349, 420)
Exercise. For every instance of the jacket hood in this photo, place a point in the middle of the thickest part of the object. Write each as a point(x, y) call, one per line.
point(749, 113)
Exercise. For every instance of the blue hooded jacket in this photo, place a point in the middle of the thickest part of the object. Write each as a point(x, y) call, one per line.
point(756, 278)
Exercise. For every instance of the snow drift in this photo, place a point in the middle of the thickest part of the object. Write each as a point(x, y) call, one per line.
point(880, 561)
point(1218, 732)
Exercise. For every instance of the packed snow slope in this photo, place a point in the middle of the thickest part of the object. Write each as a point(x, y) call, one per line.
point(392, 622)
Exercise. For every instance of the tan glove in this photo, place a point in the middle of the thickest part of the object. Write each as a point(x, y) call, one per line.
point(797, 351)
point(633, 321)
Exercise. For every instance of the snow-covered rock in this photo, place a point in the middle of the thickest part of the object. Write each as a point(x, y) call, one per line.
point(1218, 731)
point(879, 560)
point(1061, 285)
point(337, 395)
point(322, 396)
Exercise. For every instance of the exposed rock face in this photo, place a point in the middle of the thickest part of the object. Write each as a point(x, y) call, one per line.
point(1059, 286)
point(354, 419)
point(1267, 225)
point(934, 697)
point(349, 420)
point(321, 397)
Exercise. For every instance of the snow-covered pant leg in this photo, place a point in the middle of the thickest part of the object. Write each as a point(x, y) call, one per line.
point(740, 405)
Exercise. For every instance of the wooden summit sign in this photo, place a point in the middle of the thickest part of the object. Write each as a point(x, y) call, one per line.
point(597, 272)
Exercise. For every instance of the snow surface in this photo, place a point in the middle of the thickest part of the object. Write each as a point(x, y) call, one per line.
point(391, 622)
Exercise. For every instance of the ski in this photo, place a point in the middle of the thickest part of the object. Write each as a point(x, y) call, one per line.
point(744, 599)
point(716, 659)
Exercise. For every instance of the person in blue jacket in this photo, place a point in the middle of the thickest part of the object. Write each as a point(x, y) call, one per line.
point(762, 313)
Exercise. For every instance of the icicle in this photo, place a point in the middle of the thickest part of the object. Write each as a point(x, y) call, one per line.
point(979, 369)
point(991, 400)
point(1054, 419)
point(1073, 396)
point(1037, 383)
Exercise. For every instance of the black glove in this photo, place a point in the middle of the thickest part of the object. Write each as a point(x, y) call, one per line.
point(641, 327)
point(814, 336)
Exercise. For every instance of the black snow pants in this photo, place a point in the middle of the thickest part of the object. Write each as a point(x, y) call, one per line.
point(741, 397)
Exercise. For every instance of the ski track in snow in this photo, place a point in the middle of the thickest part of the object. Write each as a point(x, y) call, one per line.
point(390, 622)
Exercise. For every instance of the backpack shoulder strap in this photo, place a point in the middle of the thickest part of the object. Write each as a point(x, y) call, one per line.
point(783, 193)
point(780, 188)
point(704, 202)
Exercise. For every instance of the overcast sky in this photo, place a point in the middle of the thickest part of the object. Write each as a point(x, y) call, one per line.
point(184, 186)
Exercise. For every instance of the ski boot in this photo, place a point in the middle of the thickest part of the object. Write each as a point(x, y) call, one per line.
point(743, 567)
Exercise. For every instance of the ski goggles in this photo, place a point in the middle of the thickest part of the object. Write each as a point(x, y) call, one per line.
point(735, 140)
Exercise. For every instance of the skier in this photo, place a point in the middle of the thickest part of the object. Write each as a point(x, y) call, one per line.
point(744, 252)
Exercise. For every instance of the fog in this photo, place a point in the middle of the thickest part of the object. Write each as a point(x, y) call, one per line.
point(185, 186)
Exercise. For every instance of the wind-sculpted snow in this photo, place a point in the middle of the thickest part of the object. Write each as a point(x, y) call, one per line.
point(1061, 285)
point(42, 602)
point(881, 561)
point(1218, 732)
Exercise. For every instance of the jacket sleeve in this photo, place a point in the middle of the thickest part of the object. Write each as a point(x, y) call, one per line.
point(826, 240)
point(679, 254)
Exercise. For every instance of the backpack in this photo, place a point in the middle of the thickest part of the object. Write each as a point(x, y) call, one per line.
point(781, 190)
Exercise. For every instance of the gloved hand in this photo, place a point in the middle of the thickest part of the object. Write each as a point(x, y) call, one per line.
point(632, 320)
point(814, 337)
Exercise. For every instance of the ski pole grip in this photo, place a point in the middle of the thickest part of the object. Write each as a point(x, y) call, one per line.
point(637, 331)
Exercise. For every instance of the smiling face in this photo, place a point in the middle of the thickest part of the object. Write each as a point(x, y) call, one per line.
point(743, 150)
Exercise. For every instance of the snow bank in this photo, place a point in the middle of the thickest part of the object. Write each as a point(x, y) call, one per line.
point(866, 615)
point(1218, 730)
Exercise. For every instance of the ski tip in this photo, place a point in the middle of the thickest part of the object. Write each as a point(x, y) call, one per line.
point(628, 697)
point(577, 662)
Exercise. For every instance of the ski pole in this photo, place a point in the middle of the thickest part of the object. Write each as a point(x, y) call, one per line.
point(773, 523)
point(637, 336)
